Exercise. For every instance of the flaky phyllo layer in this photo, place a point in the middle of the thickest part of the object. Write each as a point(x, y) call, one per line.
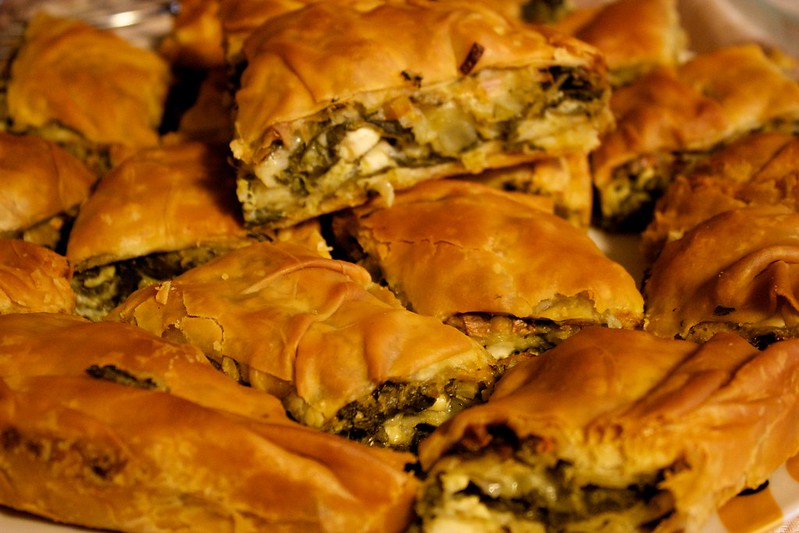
point(101, 288)
point(353, 149)
point(511, 487)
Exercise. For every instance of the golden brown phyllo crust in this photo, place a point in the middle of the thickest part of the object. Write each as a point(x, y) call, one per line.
point(482, 260)
point(634, 36)
point(327, 119)
point(757, 169)
point(110, 94)
point(734, 272)
point(615, 430)
point(673, 117)
point(43, 186)
point(134, 433)
point(340, 351)
point(158, 213)
point(34, 279)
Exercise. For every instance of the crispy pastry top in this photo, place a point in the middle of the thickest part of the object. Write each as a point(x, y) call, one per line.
point(450, 246)
point(618, 404)
point(306, 323)
point(310, 58)
point(34, 279)
point(40, 180)
point(159, 200)
point(736, 268)
point(757, 169)
point(633, 35)
point(708, 100)
point(146, 434)
point(70, 74)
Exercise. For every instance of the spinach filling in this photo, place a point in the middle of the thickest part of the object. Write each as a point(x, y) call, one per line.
point(102, 288)
point(510, 481)
point(364, 420)
point(440, 127)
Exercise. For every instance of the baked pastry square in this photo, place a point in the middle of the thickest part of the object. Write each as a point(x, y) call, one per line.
point(671, 118)
point(756, 169)
point(340, 351)
point(88, 89)
point(635, 36)
point(34, 279)
point(42, 189)
point(134, 433)
point(734, 272)
point(615, 430)
point(326, 119)
point(156, 214)
point(498, 265)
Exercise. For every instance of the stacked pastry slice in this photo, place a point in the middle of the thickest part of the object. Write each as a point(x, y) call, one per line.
point(615, 430)
point(325, 119)
point(106, 426)
point(482, 260)
point(340, 351)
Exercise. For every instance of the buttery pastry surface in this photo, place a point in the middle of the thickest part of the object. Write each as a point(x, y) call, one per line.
point(34, 279)
point(672, 117)
point(567, 180)
point(43, 186)
point(154, 215)
point(158, 200)
point(325, 119)
point(736, 271)
point(317, 333)
point(134, 433)
point(757, 169)
point(616, 430)
point(633, 35)
point(109, 91)
point(448, 247)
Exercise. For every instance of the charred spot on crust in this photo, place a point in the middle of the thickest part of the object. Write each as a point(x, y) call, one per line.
point(720, 310)
point(474, 55)
point(747, 492)
point(122, 377)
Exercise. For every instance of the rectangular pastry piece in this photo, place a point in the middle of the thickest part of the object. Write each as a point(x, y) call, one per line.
point(566, 180)
point(340, 351)
point(34, 279)
point(756, 169)
point(155, 215)
point(42, 188)
point(482, 260)
point(634, 35)
point(734, 272)
point(615, 430)
point(134, 433)
point(88, 89)
point(327, 119)
point(673, 117)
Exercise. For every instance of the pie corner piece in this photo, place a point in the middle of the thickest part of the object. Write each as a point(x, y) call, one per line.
point(326, 121)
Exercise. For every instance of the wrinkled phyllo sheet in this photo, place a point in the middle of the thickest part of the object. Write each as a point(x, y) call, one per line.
point(634, 36)
point(106, 426)
point(757, 169)
point(615, 430)
point(340, 351)
point(156, 214)
point(34, 279)
point(671, 118)
point(566, 180)
point(325, 119)
point(736, 271)
point(482, 259)
point(86, 88)
point(42, 188)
